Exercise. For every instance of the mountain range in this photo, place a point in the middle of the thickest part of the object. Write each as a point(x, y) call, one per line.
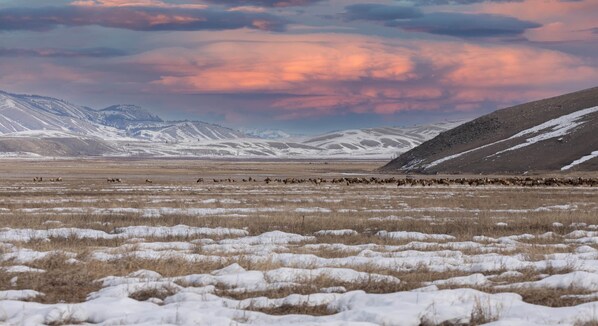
point(32, 125)
point(555, 134)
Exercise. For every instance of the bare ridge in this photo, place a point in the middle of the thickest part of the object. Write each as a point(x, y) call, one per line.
point(555, 134)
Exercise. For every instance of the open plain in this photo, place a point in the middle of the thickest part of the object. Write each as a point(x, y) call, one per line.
point(158, 247)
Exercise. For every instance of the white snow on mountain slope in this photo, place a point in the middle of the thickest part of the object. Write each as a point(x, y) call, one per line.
point(21, 113)
point(266, 133)
point(554, 128)
point(133, 131)
point(181, 132)
point(586, 158)
point(387, 140)
point(242, 147)
point(121, 116)
point(254, 148)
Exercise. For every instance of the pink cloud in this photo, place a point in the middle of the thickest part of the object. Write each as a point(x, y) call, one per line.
point(326, 73)
point(275, 66)
point(135, 3)
point(298, 76)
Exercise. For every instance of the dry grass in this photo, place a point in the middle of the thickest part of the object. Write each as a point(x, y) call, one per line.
point(296, 310)
point(161, 292)
point(484, 312)
point(462, 212)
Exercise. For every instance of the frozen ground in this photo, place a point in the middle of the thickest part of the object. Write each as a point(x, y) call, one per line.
point(184, 253)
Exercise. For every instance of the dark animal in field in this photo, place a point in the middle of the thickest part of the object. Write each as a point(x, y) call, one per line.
point(148, 181)
point(38, 179)
point(114, 180)
point(199, 180)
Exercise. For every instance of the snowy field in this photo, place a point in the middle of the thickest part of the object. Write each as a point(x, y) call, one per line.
point(177, 252)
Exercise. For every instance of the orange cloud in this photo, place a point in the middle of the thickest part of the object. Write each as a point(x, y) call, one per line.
point(295, 76)
point(275, 66)
point(512, 66)
point(322, 74)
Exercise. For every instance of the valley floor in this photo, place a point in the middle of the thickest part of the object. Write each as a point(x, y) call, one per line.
point(178, 252)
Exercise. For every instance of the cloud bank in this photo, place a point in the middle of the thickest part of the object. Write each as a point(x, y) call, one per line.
point(136, 18)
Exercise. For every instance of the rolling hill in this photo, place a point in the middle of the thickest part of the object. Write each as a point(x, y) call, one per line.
point(555, 134)
point(33, 125)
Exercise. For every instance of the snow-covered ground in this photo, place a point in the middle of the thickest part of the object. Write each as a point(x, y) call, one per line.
point(270, 254)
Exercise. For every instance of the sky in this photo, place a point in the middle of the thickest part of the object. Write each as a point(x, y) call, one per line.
point(304, 66)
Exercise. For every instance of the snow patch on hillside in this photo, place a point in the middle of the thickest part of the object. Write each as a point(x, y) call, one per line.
point(551, 129)
point(554, 128)
point(580, 161)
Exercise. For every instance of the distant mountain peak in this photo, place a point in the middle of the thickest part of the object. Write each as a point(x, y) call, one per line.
point(122, 115)
point(267, 133)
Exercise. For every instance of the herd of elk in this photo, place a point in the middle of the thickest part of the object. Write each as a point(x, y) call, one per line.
point(406, 181)
point(41, 179)
point(411, 181)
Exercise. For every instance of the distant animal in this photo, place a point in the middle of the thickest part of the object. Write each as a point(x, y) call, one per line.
point(148, 181)
point(112, 180)
point(199, 180)
point(38, 179)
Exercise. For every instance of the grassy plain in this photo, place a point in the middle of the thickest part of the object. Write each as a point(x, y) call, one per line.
point(435, 236)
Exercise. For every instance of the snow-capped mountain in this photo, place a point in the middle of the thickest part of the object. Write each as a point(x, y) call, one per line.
point(128, 130)
point(377, 143)
point(181, 131)
point(24, 113)
point(141, 124)
point(267, 133)
point(121, 116)
point(555, 134)
point(390, 140)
